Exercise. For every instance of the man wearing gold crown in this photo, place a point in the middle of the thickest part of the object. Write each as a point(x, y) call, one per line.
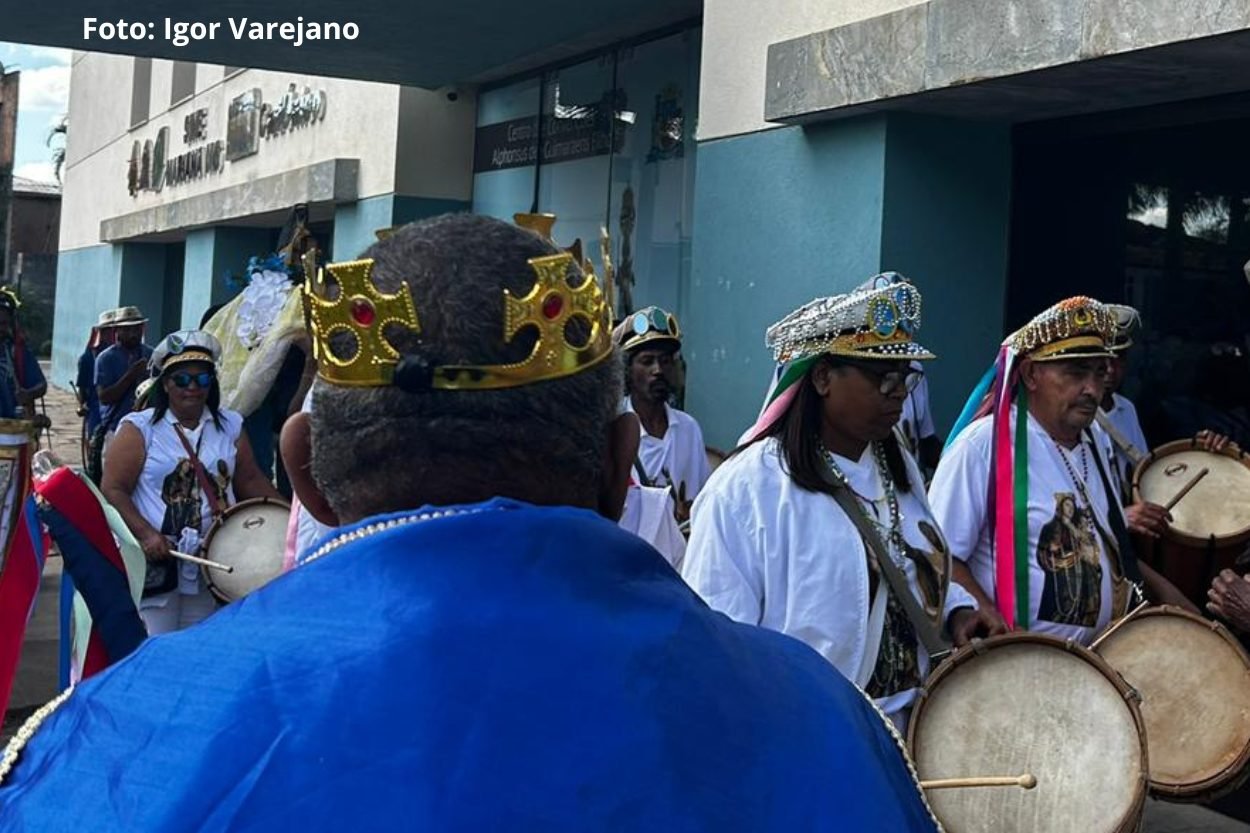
point(1028, 505)
point(818, 526)
point(477, 648)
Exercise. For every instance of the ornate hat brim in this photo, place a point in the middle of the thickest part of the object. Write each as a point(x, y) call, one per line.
point(650, 338)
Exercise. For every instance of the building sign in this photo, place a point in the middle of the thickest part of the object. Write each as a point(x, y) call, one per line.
point(249, 119)
point(513, 144)
point(243, 125)
point(195, 126)
point(154, 165)
point(293, 111)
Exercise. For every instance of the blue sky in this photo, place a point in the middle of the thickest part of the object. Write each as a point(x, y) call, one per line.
point(44, 99)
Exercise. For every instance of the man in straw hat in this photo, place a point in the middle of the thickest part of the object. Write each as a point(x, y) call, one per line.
point(101, 338)
point(477, 648)
point(818, 526)
point(1024, 491)
point(1117, 416)
point(121, 367)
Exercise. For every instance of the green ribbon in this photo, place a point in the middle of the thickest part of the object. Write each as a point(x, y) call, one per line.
point(1020, 499)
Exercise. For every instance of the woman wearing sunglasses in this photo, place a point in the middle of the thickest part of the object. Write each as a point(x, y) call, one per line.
point(172, 467)
point(794, 531)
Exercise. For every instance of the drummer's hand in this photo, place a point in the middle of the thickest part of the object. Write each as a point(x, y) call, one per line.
point(1230, 599)
point(1211, 441)
point(155, 545)
point(1149, 519)
point(966, 623)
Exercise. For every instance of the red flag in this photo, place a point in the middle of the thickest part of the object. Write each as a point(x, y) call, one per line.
point(24, 551)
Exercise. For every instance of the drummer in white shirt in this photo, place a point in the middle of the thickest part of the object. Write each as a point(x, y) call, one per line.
point(792, 532)
point(1117, 417)
point(1033, 520)
point(671, 451)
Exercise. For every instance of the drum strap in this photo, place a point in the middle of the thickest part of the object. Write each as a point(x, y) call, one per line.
point(1128, 558)
point(930, 636)
point(205, 484)
point(643, 480)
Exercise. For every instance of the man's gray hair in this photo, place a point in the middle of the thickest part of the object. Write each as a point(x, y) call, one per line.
point(383, 449)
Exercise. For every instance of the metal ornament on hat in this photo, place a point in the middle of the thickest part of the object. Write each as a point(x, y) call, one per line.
point(876, 322)
point(1077, 326)
point(362, 311)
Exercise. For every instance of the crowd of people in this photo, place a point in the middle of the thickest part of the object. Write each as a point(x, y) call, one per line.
point(509, 556)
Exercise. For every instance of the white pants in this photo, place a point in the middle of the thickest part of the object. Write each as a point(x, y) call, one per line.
point(174, 611)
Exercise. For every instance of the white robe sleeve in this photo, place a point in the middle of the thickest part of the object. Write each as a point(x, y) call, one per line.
point(699, 463)
point(718, 565)
point(957, 496)
point(957, 597)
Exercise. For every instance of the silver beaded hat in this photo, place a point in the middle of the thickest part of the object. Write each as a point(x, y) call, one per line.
point(877, 320)
point(1126, 320)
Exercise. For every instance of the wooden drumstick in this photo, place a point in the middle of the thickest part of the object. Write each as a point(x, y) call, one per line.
point(1026, 782)
point(195, 559)
point(1185, 489)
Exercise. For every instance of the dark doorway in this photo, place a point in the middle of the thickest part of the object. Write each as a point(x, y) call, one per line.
point(1149, 208)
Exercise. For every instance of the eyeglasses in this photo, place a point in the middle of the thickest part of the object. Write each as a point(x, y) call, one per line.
point(891, 381)
point(184, 379)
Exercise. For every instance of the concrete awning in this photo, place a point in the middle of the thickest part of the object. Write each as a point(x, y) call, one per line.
point(420, 44)
point(1013, 60)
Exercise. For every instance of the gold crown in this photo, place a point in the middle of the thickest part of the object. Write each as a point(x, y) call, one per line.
point(361, 310)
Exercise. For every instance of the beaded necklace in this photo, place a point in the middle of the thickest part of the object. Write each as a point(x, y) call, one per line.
point(894, 532)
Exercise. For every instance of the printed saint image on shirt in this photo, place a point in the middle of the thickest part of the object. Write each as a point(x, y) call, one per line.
point(181, 494)
point(1067, 550)
point(930, 571)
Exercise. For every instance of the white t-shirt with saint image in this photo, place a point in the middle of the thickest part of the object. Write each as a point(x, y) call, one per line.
point(1070, 573)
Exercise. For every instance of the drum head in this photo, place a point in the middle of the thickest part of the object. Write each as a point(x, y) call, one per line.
point(1194, 681)
point(1219, 505)
point(1026, 703)
point(251, 537)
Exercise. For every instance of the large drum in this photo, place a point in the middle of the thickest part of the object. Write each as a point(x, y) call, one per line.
point(1194, 681)
point(1210, 525)
point(1027, 703)
point(250, 537)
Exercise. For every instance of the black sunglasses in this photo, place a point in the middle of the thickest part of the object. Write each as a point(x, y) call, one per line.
point(184, 379)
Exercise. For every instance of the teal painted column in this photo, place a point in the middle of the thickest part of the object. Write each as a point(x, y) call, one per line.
point(355, 224)
point(197, 275)
point(87, 283)
point(787, 215)
point(143, 285)
point(780, 217)
point(210, 254)
point(946, 225)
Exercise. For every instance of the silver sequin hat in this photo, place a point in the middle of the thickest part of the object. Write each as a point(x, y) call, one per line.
point(877, 320)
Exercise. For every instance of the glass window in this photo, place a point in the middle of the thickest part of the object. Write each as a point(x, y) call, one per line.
point(183, 84)
point(140, 91)
point(618, 152)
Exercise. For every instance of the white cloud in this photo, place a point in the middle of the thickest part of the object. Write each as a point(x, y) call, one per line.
point(51, 53)
point(38, 171)
point(46, 88)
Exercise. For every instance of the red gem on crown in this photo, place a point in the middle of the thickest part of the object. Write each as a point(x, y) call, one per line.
point(553, 305)
point(363, 312)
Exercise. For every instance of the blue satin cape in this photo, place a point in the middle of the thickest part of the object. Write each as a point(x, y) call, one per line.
point(514, 669)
